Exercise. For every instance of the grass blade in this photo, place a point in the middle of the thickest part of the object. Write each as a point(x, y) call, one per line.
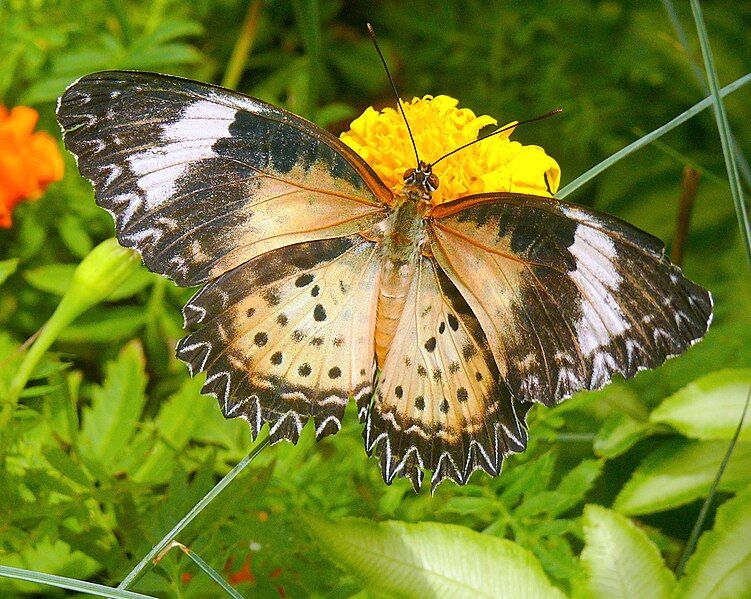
point(688, 550)
point(740, 208)
point(643, 141)
point(190, 516)
point(215, 576)
point(71, 584)
point(683, 41)
point(724, 130)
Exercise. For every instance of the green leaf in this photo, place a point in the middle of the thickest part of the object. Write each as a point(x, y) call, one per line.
point(709, 408)
point(430, 559)
point(619, 433)
point(109, 422)
point(681, 471)
point(721, 564)
point(178, 419)
point(7, 268)
point(620, 560)
point(74, 235)
point(105, 325)
point(52, 278)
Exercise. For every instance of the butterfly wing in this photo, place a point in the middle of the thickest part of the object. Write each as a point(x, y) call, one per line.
point(200, 179)
point(567, 297)
point(289, 335)
point(440, 403)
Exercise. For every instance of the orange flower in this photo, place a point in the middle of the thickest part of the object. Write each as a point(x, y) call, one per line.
point(28, 161)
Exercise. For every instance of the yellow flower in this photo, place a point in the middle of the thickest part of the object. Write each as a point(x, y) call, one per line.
point(497, 164)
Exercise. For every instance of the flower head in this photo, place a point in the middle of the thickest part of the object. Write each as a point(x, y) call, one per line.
point(28, 161)
point(439, 127)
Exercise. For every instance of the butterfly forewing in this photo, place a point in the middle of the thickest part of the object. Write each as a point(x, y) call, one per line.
point(200, 179)
point(440, 403)
point(567, 297)
point(289, 335)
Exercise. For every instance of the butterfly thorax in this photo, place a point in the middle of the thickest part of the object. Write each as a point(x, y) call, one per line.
point(404, 238)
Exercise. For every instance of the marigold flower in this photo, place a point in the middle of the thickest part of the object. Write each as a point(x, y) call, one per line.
point(28, 161)
point(498, 164)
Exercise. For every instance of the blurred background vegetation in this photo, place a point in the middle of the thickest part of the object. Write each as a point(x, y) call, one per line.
point(112, 442)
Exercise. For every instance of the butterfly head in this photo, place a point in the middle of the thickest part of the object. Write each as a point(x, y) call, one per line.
point(423, 178)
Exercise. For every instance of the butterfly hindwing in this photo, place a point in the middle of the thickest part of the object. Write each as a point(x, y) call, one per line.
point(566, 296)
point(440, 403)
point(200, 179)
point(289, 335)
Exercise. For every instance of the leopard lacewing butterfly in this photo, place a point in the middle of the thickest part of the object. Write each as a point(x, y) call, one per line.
point(444, 323)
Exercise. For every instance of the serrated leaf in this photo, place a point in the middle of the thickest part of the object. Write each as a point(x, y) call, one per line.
point(65, 465)
point(681, 471)
point(710, 407)
point(178, 419)
point(620, 559)
point(721, 564)
point(431, 559)
point(619, 433)
point(116, 406)
point(576, 484)
point(570, 491)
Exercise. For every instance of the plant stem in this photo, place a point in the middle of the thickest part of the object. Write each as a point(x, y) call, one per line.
point(65, 312)
point(190, 516)
point(689, 187)
point(243, 45)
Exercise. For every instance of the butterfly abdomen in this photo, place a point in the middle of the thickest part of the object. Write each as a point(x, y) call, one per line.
point(404, 236)
point(395, 282)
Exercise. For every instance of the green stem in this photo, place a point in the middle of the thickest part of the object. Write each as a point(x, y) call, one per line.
point(239, 58)
point(67, 310)
point(190, 516)
point(97, 276)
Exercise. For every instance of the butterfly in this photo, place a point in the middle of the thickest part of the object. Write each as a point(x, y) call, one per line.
point(444, 323)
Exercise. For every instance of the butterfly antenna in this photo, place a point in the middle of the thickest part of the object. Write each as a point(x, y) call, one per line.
point(501, 130)
point(371, 31)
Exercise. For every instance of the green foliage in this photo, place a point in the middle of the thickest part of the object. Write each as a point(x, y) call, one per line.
point(111, 443)
point(721, 394)
point(429, 559)
point(722, 562)
point(620, 560)
point(680, 471)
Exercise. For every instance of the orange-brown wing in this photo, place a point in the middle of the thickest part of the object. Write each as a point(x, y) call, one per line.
point(288, 336)
point(566, 296)
point(200, 179)
point(440, 403)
